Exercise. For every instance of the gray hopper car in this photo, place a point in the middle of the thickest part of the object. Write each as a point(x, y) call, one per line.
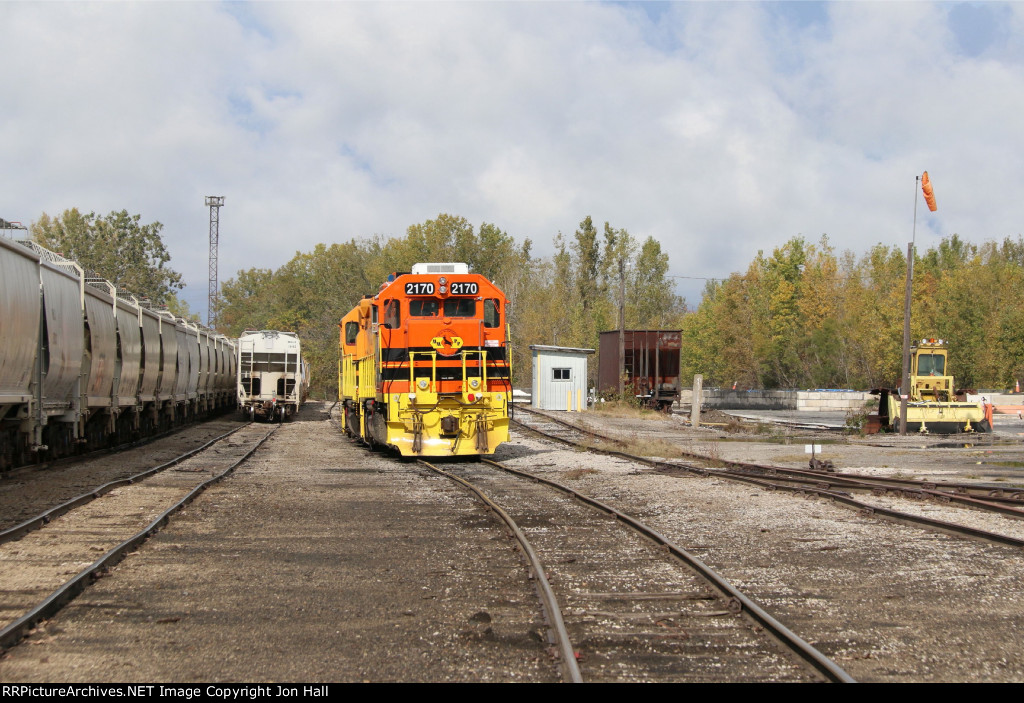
point(84, 365)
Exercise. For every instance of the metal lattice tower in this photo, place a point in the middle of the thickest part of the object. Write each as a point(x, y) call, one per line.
point(214, 202)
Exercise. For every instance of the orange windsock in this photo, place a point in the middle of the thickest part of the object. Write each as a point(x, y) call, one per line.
point(929, 194)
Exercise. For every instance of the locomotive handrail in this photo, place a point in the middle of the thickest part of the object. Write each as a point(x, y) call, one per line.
point(366, 384)
point(433, 368)
point(483, 367)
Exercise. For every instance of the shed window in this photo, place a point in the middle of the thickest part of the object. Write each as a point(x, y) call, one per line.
point(561, 374)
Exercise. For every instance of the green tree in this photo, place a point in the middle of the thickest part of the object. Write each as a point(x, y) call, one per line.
point(652, 302)
point(117, 247)
point(180, 308)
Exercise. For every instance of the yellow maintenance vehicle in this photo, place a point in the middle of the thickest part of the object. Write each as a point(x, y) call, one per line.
point(933, 403)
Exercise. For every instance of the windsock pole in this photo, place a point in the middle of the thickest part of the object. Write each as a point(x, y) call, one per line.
point(905, 378)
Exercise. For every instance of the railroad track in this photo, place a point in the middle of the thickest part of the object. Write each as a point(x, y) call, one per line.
point(22, 528)
point(46, 463)
point(625, 603)
point(52, 558)
point(836, 487)
point(31, 491)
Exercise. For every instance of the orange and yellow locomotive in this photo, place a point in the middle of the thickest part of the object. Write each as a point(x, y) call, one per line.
point(425, 365)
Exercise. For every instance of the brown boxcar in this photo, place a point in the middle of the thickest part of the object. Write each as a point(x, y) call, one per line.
point(651, 365)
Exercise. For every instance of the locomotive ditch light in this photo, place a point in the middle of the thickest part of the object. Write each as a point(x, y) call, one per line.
point(423, 383)
point(474, 383)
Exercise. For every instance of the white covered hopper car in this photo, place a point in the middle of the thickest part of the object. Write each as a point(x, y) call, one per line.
point(272, 376)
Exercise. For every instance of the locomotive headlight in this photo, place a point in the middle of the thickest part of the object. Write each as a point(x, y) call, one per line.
point(474, 383)
point(444, 289)
point(442, 280)
point(423, 383)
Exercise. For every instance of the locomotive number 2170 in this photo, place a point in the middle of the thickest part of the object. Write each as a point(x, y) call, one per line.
point(419, 288)
point(467, 288)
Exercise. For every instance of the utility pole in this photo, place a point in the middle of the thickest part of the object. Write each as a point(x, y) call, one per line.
point(214, 202)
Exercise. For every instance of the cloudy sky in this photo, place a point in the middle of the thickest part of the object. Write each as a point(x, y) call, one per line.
point(718, 128)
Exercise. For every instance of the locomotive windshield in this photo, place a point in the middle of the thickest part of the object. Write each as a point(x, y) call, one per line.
point(423, 308)
point(453, 307)
point(459, 307)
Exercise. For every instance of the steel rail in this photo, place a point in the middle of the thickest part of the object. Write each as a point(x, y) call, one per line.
point(921, 489)
point(980, 490)
point(996, 504)
point(846, 500)
point(995, 493)
point(787, 637)
point(837, 496)
point(23, 528)
point(15, 631)
point(549, 603)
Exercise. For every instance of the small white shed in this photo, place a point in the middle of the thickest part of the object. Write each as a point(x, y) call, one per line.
point(559, 377)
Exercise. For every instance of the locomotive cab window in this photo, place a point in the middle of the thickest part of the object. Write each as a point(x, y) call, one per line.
point(392, 316)
point(460, 307)
point(351, 332)
point(561, 374)
point(492, 318)
point(423, 308)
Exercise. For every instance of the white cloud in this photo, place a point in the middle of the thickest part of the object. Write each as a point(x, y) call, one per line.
point(718, 128)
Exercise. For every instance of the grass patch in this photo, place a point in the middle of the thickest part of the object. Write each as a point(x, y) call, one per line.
point(795, 458)
point(735, 426)
point(617, 408)
point(1008, 464)
point(653, 447)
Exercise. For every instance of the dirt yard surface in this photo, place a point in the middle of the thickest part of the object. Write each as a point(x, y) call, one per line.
point(320, 561)
point(315, 561)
